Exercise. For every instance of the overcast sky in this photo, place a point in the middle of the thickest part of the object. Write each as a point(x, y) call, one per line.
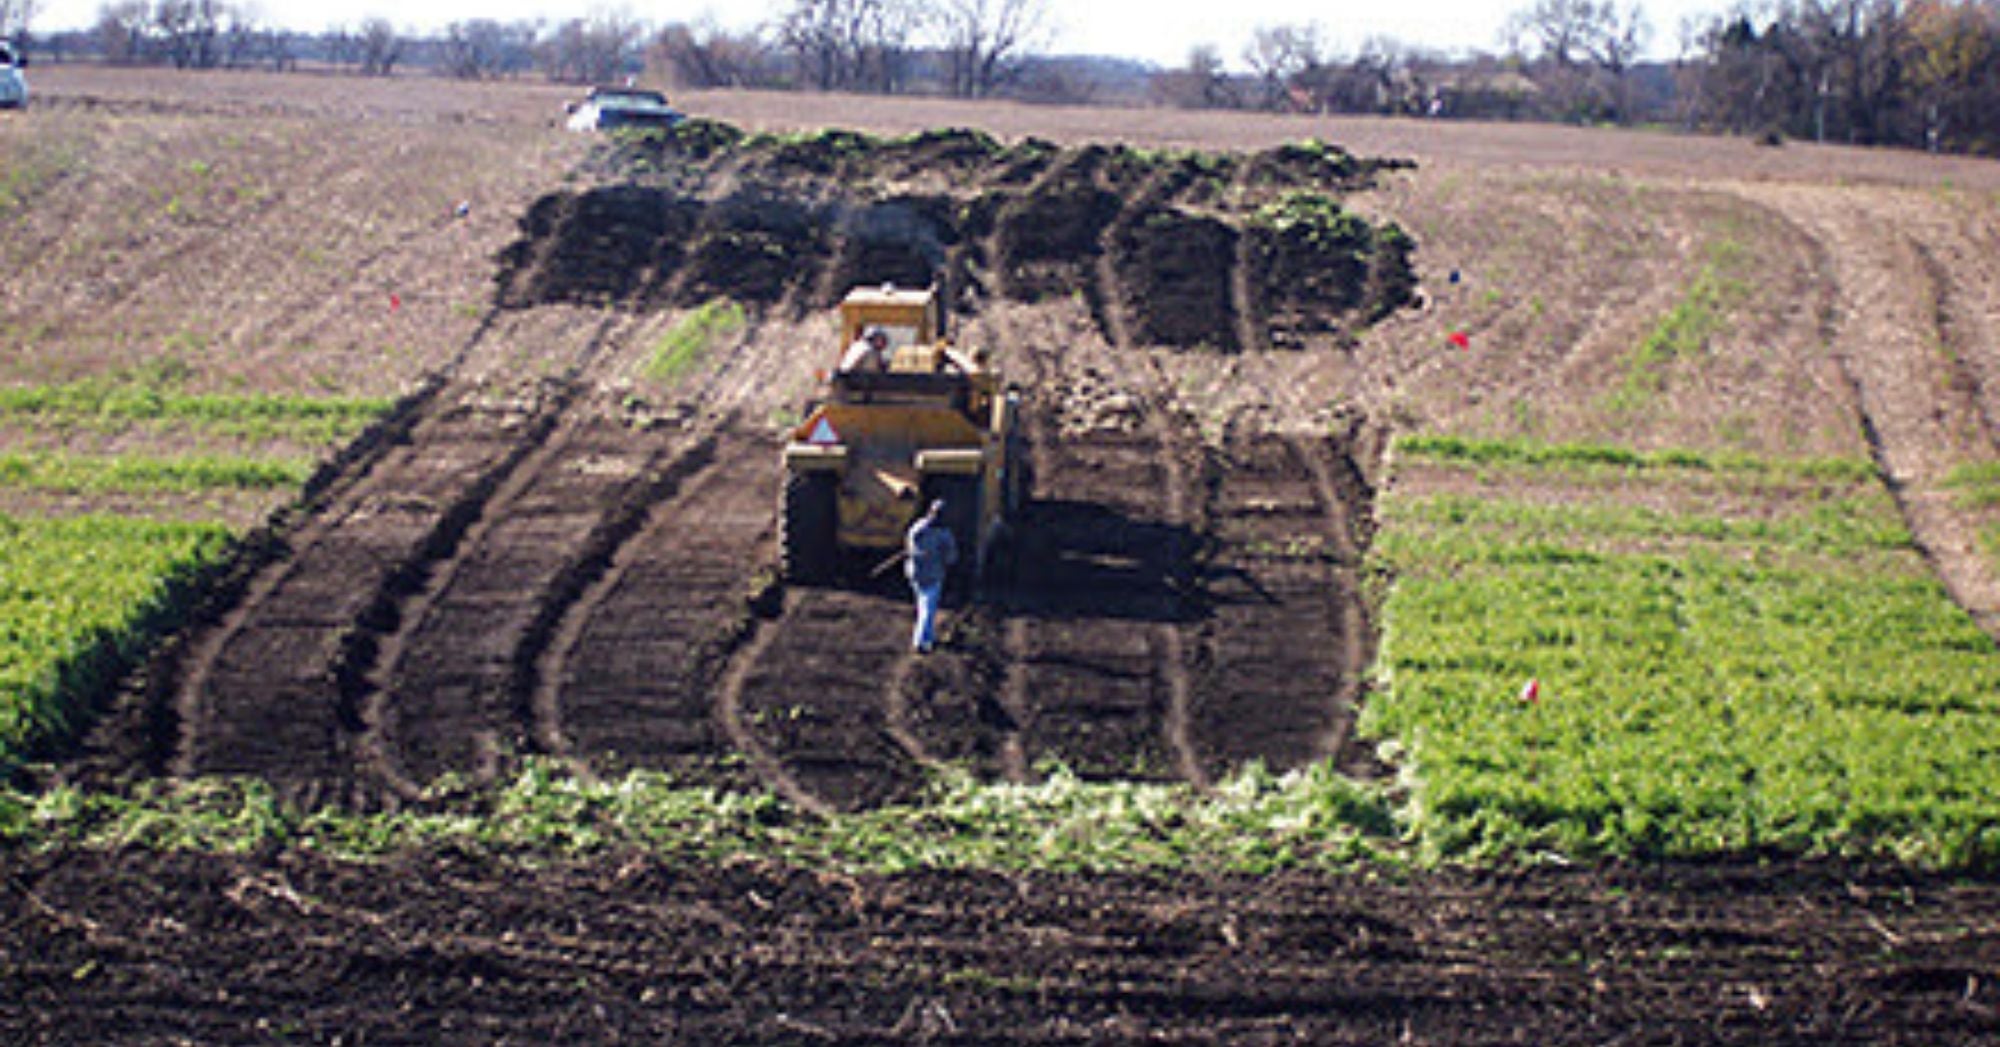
point(1156, 31)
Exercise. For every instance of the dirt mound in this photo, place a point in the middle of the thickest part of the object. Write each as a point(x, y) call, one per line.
point(608, 245)
point(705, 212)
point(1175, 270)
point(1312, 264)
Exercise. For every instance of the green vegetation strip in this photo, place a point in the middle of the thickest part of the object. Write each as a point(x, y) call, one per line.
point(688, 344)
point(1253, 822)
point(79, 599)
point(87, 474)
point(1684, 332)
point(1585, 456)
point(102, 406)
point(1795, 684)
point(1978, 485)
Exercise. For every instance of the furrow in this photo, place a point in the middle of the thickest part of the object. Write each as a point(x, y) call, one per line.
point(630, 674)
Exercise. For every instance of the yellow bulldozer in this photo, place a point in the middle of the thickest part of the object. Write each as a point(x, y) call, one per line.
point(904, 417)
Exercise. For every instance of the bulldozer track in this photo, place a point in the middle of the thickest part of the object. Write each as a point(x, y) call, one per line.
point(1282, 645)
point(445, 694)
point(769, 768)
point(280, 685)
point(310, 625)
point(632, 667)
point(810, 695)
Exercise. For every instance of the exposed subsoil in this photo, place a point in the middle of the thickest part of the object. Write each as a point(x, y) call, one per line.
point(129, 947)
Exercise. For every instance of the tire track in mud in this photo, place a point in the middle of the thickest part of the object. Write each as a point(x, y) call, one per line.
point(629, 678)
point(1095, 665)
point(267, 694)
point(808, 700)
point(158, 731)
point(1961, 335)
point(1098, 598)
point(1885, 331)
point(1285, 640)
point(277, 687)
point(444, 695)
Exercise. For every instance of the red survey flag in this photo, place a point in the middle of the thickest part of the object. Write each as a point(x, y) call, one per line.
point(1461, 339)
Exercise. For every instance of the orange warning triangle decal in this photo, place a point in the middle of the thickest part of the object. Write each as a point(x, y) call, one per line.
point(823, 434)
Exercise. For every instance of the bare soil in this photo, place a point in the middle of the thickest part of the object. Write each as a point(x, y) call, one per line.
point(542, 552)
point(131, 947)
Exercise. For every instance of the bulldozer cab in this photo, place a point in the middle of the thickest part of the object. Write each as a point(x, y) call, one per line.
point(910, 318)
point(879, 442)
point(922, 365)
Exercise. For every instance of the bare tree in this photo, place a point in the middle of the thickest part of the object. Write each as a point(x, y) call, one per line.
point(703, 54)
point(1552, 30)
point(1583, 51)
point(982, 40)
point(1365, 83)
point(1200, 84)
point(124, 31)
point(378, 47)
point(189, 32)
point(1620, 38)
point(483, 48)
point(279, 47)
point(342, 44)
point(850, 44)
point(598, 49)
point(1287, 60)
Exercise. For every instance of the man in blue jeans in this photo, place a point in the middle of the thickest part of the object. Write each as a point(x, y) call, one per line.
point(931, 552)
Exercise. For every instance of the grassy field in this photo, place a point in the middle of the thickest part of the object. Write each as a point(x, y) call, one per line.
point(1793, 679)
point(80, 599)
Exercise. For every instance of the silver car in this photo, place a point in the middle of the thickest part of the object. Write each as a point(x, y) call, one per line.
point(13, 85)
point(612, 108)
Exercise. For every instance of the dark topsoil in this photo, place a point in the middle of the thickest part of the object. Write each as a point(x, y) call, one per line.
point(134, 946)
point(1183, 249)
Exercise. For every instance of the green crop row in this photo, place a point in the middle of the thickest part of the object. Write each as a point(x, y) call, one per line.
point(1799, 683)
point(103, 406)
point(79, 599)
point(1978, 485)
point(88, 474)
point(1859, 526)
point(1470, 451)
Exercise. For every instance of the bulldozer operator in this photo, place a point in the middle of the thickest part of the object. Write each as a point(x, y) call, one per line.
point(869, 354)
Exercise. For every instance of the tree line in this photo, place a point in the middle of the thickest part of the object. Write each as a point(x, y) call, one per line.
point(967, 48)
point(1917, 73)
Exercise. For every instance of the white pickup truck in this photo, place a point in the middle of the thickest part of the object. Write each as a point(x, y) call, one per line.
point(13, 86)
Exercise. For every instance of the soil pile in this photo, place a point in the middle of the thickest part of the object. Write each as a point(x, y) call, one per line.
point(1181, 249)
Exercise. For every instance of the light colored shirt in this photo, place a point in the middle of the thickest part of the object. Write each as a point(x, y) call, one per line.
point(861, 356)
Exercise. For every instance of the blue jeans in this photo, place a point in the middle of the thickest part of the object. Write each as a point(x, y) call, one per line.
point(927, 608)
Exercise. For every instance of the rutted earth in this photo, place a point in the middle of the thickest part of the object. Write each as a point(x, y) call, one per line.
point(561, 567)
point(577, 566)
